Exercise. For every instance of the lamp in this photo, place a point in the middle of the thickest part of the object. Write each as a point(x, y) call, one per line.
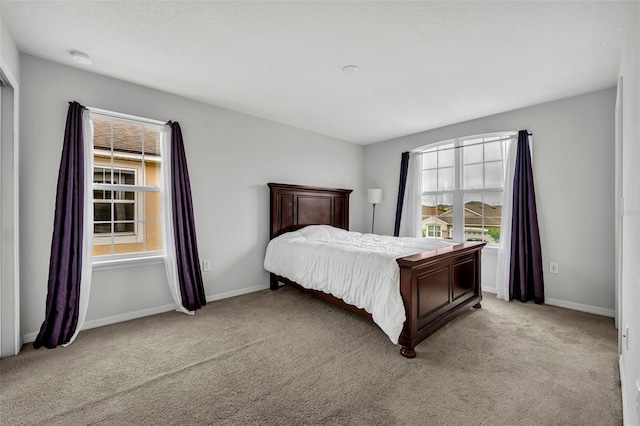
point(374, 196)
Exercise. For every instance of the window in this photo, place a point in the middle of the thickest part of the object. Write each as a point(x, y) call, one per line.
point(126, 187)
point(462, 188)
point(434, 231)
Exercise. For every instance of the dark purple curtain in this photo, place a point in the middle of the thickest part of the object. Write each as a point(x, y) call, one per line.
point(191, 286)
point(525, 276)
point(65, 263)
point(404, 169)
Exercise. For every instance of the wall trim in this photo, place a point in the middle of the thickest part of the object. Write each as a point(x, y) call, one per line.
point(580, 307)
point(100, 322)
point(626, 417)
point(491, 290)
point(235, 293)
point(568, 305)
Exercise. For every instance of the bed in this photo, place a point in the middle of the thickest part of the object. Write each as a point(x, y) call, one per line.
point(435, 286)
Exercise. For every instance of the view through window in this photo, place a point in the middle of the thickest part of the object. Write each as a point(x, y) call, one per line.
point(463, 186)
point(126, 187)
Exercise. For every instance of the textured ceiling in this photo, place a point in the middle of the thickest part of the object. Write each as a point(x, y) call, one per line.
point(422, 64)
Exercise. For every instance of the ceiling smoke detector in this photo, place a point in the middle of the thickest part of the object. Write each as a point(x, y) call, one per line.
point(350, 69)
point(81, 58)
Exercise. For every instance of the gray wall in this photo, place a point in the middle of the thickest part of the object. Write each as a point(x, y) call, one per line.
point(8, 50)
point(630, 214)
point(231, 158)
point(573, 156)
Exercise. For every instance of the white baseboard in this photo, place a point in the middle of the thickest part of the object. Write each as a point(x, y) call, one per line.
point(580, 307)
point(235, 293)
point(491, 290)
point(568, 305)
point(31, 337)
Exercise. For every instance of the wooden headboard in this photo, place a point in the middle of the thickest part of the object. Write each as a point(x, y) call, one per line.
point(296, 206)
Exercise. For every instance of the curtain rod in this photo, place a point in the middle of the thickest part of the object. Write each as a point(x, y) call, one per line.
point(125, 117)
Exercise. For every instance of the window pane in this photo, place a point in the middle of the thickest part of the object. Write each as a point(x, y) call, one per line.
point(151, 141)
point(124, 195)
point(493, 200)
point(430, 180)
point(102, 228)
point(493, 151)
point(430, 160)
point(124, 227)
point(127, 177)
point(445, 155)
point(473, 207)
point(482, 211)
point(127, 137)
point(98, 175)
point(492, 229)
point(445, 179)
point(472, 153)
point(472, 176)
point(494, 174)
point(445, 203)
point(153, 234)
point(124, 211)
point(445, 215)
point(101, 212)
point(432, 207)
point(101, 133)
point(429, 200)
point(473, 217)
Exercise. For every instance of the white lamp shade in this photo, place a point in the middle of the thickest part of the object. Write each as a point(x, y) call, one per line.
point(374, 196)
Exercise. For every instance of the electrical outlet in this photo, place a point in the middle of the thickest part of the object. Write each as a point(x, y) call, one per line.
point(553, 267)
point(206, 265)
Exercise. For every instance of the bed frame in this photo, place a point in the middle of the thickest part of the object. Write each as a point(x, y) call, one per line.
point(436, 286)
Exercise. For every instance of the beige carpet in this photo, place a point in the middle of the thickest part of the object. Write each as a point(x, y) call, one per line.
point(285, 358)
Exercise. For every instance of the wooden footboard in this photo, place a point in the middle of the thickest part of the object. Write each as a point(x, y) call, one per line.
point(436, 286)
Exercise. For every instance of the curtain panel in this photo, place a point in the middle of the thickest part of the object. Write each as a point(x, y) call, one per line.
point(525, 274)
point(504, 250)
point(404, 168)
point(411, 217)
point(70, 262)
point(184, 230)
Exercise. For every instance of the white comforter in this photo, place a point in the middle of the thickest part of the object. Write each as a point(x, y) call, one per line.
point(360, 269)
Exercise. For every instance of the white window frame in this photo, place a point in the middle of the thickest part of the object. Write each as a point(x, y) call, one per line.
point(124, 259)
point(458, 193)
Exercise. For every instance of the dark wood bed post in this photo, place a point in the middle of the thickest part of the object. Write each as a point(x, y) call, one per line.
point(436, 286)
point(273, 282)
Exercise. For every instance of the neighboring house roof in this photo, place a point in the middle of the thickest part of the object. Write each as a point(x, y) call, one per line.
point(127, 137)
point(433, 220)
point(472, 215)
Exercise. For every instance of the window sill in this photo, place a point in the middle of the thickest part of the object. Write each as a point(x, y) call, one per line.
point(105, 265)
